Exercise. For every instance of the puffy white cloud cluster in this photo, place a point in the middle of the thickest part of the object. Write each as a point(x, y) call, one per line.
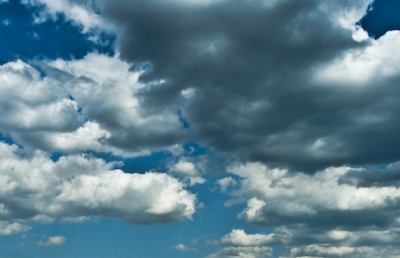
point(7, 229)
point(37, 188)
point(77, 106)
point(243, 245)
point(318, 215)
point(239, 237)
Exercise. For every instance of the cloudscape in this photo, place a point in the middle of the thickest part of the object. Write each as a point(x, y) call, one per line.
point(199, 128)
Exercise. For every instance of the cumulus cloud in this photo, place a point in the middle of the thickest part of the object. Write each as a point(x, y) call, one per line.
point(53, 241)
point(188, 170)
point(7, 229)
point(327, 214)
point(32, 103)
point(274, 96)
point(36, 187)
point(239, 244)
point(293, 84)
point(295, 75)
point(109, 94)
point(76, 106)
point(239, 237)
point(281, 198)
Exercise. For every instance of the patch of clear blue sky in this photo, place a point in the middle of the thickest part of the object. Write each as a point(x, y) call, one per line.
point(106, 238)
point(21, 38)
point(382, 16)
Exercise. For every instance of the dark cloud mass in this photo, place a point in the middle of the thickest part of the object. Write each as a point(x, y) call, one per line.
point(251, 68)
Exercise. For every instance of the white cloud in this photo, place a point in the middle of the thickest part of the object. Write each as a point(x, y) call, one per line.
point(243, 252)
point(31, 103)
point(90, 136)
point(80, 186)
point(286, 194)
point(181, 247)
point(321, 251)
point(107, 94)
point(239, 237)
point(53, 241)
point(77, 106)
point(188, 170)
point(76, 12)
point(226, 184)
point(243, 245)
point(378, 60)
point(316, 215)
point(7, 229)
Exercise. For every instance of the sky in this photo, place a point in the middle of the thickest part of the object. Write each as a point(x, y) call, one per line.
point(199, 128)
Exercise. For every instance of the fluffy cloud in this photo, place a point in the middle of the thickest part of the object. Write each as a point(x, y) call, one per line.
point(334, 213)
point(36, 187)
point(281, 198)
point(305, 74)
point(239, 237)
point(53, 241)
point(109, 94)
point(187, 170)
point(32, 103)
point(7, 229)
point(243, 245)
point(75, 106)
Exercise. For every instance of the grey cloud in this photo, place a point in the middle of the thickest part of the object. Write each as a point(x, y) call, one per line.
point(251, 67)
point(374, 177)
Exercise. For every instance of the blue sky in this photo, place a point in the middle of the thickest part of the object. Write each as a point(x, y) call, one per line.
point(260, 130)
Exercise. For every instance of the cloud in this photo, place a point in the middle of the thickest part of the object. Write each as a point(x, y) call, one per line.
point(181, 248)
point(320, 251)
point(72, 106)
point(335, 212)
point(239, 237)
point(75, 11)
point(53, 241)
point(317, 113)
point(188, 170)
point(36, 187)
point(32, 103)
point(226, 183)
point(110, 95)
point(243, 252)
point(281, 198)
point(243, 245)
point(8, 229)
point(251, 68)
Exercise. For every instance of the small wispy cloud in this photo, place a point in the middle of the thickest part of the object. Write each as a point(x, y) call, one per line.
point(53, 241)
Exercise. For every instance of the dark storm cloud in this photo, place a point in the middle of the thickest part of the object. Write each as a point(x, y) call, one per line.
point(251, 66)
